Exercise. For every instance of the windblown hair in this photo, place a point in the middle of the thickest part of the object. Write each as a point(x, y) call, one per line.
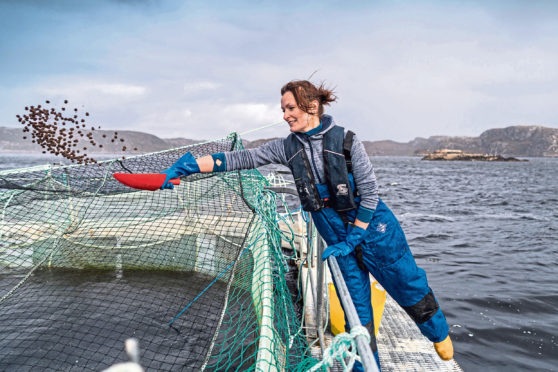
point(305, 92)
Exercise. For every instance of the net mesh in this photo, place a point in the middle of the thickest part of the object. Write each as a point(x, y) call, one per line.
point(86, 262)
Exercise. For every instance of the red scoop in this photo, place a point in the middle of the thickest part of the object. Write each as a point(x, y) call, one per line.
point(144, 181)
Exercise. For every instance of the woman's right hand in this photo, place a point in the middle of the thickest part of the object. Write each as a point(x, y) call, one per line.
point(185, 166)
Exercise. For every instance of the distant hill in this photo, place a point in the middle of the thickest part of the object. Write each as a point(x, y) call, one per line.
point(256, 143)
point(535, 141)
point(179, 142)
point(531, 141)
point(11, 140)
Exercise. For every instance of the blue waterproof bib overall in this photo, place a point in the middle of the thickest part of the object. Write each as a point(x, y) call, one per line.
point(386, 255)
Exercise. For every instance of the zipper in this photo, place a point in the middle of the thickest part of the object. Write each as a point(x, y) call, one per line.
point(313, 161)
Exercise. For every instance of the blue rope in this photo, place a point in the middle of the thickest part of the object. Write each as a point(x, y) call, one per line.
point(213, 282)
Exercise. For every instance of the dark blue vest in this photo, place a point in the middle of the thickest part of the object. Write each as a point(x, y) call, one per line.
point(336, 173)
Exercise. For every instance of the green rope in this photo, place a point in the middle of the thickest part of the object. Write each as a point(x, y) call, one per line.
point(343, 348)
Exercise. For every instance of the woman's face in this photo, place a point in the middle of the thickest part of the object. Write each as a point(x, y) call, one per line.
point(298, 120)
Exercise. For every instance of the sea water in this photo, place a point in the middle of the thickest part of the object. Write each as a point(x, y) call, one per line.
point(77, 320)
point(22, 160)
point(487, 235)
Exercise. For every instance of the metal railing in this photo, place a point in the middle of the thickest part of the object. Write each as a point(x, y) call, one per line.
point(366, 356)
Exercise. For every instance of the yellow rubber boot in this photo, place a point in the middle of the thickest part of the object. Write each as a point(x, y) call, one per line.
point(444, 349)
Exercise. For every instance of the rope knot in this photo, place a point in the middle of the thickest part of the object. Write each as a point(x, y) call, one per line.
point(343, 347)
point(360, 331)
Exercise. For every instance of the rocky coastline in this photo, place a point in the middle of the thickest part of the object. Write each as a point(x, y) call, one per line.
point(458, 155)
point(523, 141)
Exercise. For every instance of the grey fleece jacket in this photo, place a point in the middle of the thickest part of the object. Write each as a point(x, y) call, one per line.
point(273, 152)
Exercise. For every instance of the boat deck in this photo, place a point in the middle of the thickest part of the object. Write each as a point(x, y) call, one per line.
point(402, 347)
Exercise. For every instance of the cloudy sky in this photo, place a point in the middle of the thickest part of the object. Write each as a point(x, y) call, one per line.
point(202, 69)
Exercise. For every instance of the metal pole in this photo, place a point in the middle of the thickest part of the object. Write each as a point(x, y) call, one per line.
point(309, 246)
point(309, 259)
point(320, 291)
point(314, 263)
point(366, 356)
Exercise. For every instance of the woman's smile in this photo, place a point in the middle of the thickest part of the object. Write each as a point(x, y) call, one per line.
point(298, 120)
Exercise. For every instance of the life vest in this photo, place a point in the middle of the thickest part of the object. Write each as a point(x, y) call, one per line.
point(337, 164)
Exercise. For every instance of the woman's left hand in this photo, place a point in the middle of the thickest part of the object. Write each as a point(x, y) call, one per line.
point(355, 236)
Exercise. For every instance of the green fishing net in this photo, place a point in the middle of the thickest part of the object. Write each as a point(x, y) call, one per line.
point(195, 274)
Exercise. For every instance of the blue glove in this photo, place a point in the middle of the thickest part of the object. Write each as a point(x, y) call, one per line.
point(185, 166)
point(355, 236)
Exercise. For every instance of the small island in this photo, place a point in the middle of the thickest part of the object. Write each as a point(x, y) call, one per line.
point(449, 154)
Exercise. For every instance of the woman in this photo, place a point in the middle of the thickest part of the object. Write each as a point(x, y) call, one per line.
point(336, 183)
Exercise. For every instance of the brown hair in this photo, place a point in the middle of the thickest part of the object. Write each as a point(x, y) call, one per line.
point(305, 92)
